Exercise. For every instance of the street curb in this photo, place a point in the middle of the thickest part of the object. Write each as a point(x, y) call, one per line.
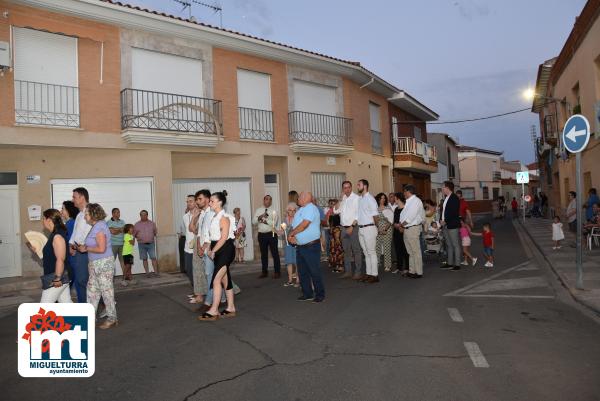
point(563, 281)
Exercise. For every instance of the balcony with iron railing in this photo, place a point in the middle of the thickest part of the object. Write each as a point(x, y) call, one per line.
point(256, 124)
point(550, 129)
point(496, 176)
point(320, 133)
point(38, 103)
point(414, 155)
point(167, 118)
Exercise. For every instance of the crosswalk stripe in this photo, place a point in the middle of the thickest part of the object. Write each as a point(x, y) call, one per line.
point(455, 315)
point(476, 355)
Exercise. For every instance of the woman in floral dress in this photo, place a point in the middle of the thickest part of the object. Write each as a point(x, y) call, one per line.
point(336, 252)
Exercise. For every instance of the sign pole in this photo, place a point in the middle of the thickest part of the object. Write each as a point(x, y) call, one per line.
point(579, 257)
point(575, 138)
point(523, 200)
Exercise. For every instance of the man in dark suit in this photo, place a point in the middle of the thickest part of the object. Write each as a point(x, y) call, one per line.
point(451, 225)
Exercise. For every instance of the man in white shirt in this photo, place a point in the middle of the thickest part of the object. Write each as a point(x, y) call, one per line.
point(188, 248)
point(411, 218)
point(348, 211)
point(79, 260)
point(266, 220)
point(367, 231)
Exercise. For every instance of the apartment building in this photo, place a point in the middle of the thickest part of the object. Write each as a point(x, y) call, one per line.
point(570, 84)
point(447, 159)
point(414, 158)
point(143, 108)
point(480, 176)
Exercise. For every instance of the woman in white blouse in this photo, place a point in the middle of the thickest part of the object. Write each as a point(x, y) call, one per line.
point(222, 251)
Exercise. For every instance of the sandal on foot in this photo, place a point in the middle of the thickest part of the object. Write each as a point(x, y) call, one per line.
point(195, 301)
point(226, 314)
point(207, 317)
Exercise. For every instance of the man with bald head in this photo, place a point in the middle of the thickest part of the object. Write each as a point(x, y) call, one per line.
point(306, 236)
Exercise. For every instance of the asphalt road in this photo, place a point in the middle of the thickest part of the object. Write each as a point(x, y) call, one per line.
point(395, 340)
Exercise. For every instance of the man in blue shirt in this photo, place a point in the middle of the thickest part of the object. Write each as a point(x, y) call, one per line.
point(306, 235)
point(589, 205)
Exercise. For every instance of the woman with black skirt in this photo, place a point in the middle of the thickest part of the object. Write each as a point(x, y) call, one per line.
point(401, 252)
point(222, 251)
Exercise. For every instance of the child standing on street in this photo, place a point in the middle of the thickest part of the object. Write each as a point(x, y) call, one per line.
point(488, 243)
point(465, 236)
point(557, 232)
point(128, 242)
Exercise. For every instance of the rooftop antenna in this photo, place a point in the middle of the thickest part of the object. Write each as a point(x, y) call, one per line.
point(187, 4)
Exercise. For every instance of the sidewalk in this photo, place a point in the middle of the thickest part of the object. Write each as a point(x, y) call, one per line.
point(562, 261)
point(10, 300)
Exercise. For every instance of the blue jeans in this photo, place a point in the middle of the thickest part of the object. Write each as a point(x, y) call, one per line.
point(80, 275)
point(309, 270)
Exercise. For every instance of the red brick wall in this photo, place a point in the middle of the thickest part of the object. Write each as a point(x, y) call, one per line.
point(225, 65)
point(406, 130)
point(98, 103)
point(356, 106)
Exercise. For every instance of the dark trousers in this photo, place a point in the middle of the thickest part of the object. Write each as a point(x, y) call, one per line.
point(402, 256)
point(80, 275)
point(189, 266)
point(308, 259)
point(182, 265)
point(268, 241)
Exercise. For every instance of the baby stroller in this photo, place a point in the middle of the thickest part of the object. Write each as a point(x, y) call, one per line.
point(434, 242)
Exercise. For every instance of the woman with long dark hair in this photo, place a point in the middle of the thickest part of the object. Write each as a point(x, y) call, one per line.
point(401, 252)
point(384, 231)
point(55, 281)
point(222, 252)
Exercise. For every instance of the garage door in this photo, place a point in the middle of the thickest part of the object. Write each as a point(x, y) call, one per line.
point(130, 195)
point(238, 195)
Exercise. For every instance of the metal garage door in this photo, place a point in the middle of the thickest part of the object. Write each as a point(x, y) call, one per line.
point(130, 195)
point(326, 186)
point(238, 190)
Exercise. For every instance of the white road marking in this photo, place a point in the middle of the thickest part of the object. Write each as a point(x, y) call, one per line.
point(455, 315)
point(476, 355)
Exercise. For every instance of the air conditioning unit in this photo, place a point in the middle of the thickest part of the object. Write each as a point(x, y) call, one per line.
point(4, 55)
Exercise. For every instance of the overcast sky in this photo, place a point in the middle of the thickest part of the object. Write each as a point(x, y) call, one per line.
point(462, 58)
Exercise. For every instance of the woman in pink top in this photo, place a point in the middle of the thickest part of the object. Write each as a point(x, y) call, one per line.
point(465, 237)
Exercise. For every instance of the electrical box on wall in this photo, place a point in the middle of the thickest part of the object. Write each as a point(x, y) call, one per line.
point(4, 55)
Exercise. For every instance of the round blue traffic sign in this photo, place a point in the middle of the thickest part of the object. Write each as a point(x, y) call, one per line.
point(576, 134)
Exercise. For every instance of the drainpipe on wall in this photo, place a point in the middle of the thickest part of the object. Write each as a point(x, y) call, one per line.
point(368, 83)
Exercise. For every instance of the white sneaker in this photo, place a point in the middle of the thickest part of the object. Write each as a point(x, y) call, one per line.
point(124, 283)
point(488, 264)
point(558, 247)
point(554, 247)
point(464, 263)
point(474, 261)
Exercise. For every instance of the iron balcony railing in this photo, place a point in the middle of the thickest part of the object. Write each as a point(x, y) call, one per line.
point(319, 128)
point(496, 176)
point(46, 104)
point(256, 124)
point(376, 146)
point(550, 127)
point(170, 112)
point(412, 146)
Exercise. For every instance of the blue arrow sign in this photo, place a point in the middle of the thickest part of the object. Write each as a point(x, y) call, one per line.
point(576, 133)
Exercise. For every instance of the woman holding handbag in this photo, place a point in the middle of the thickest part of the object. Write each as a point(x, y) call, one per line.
point(55, 281)
point(101, 264)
